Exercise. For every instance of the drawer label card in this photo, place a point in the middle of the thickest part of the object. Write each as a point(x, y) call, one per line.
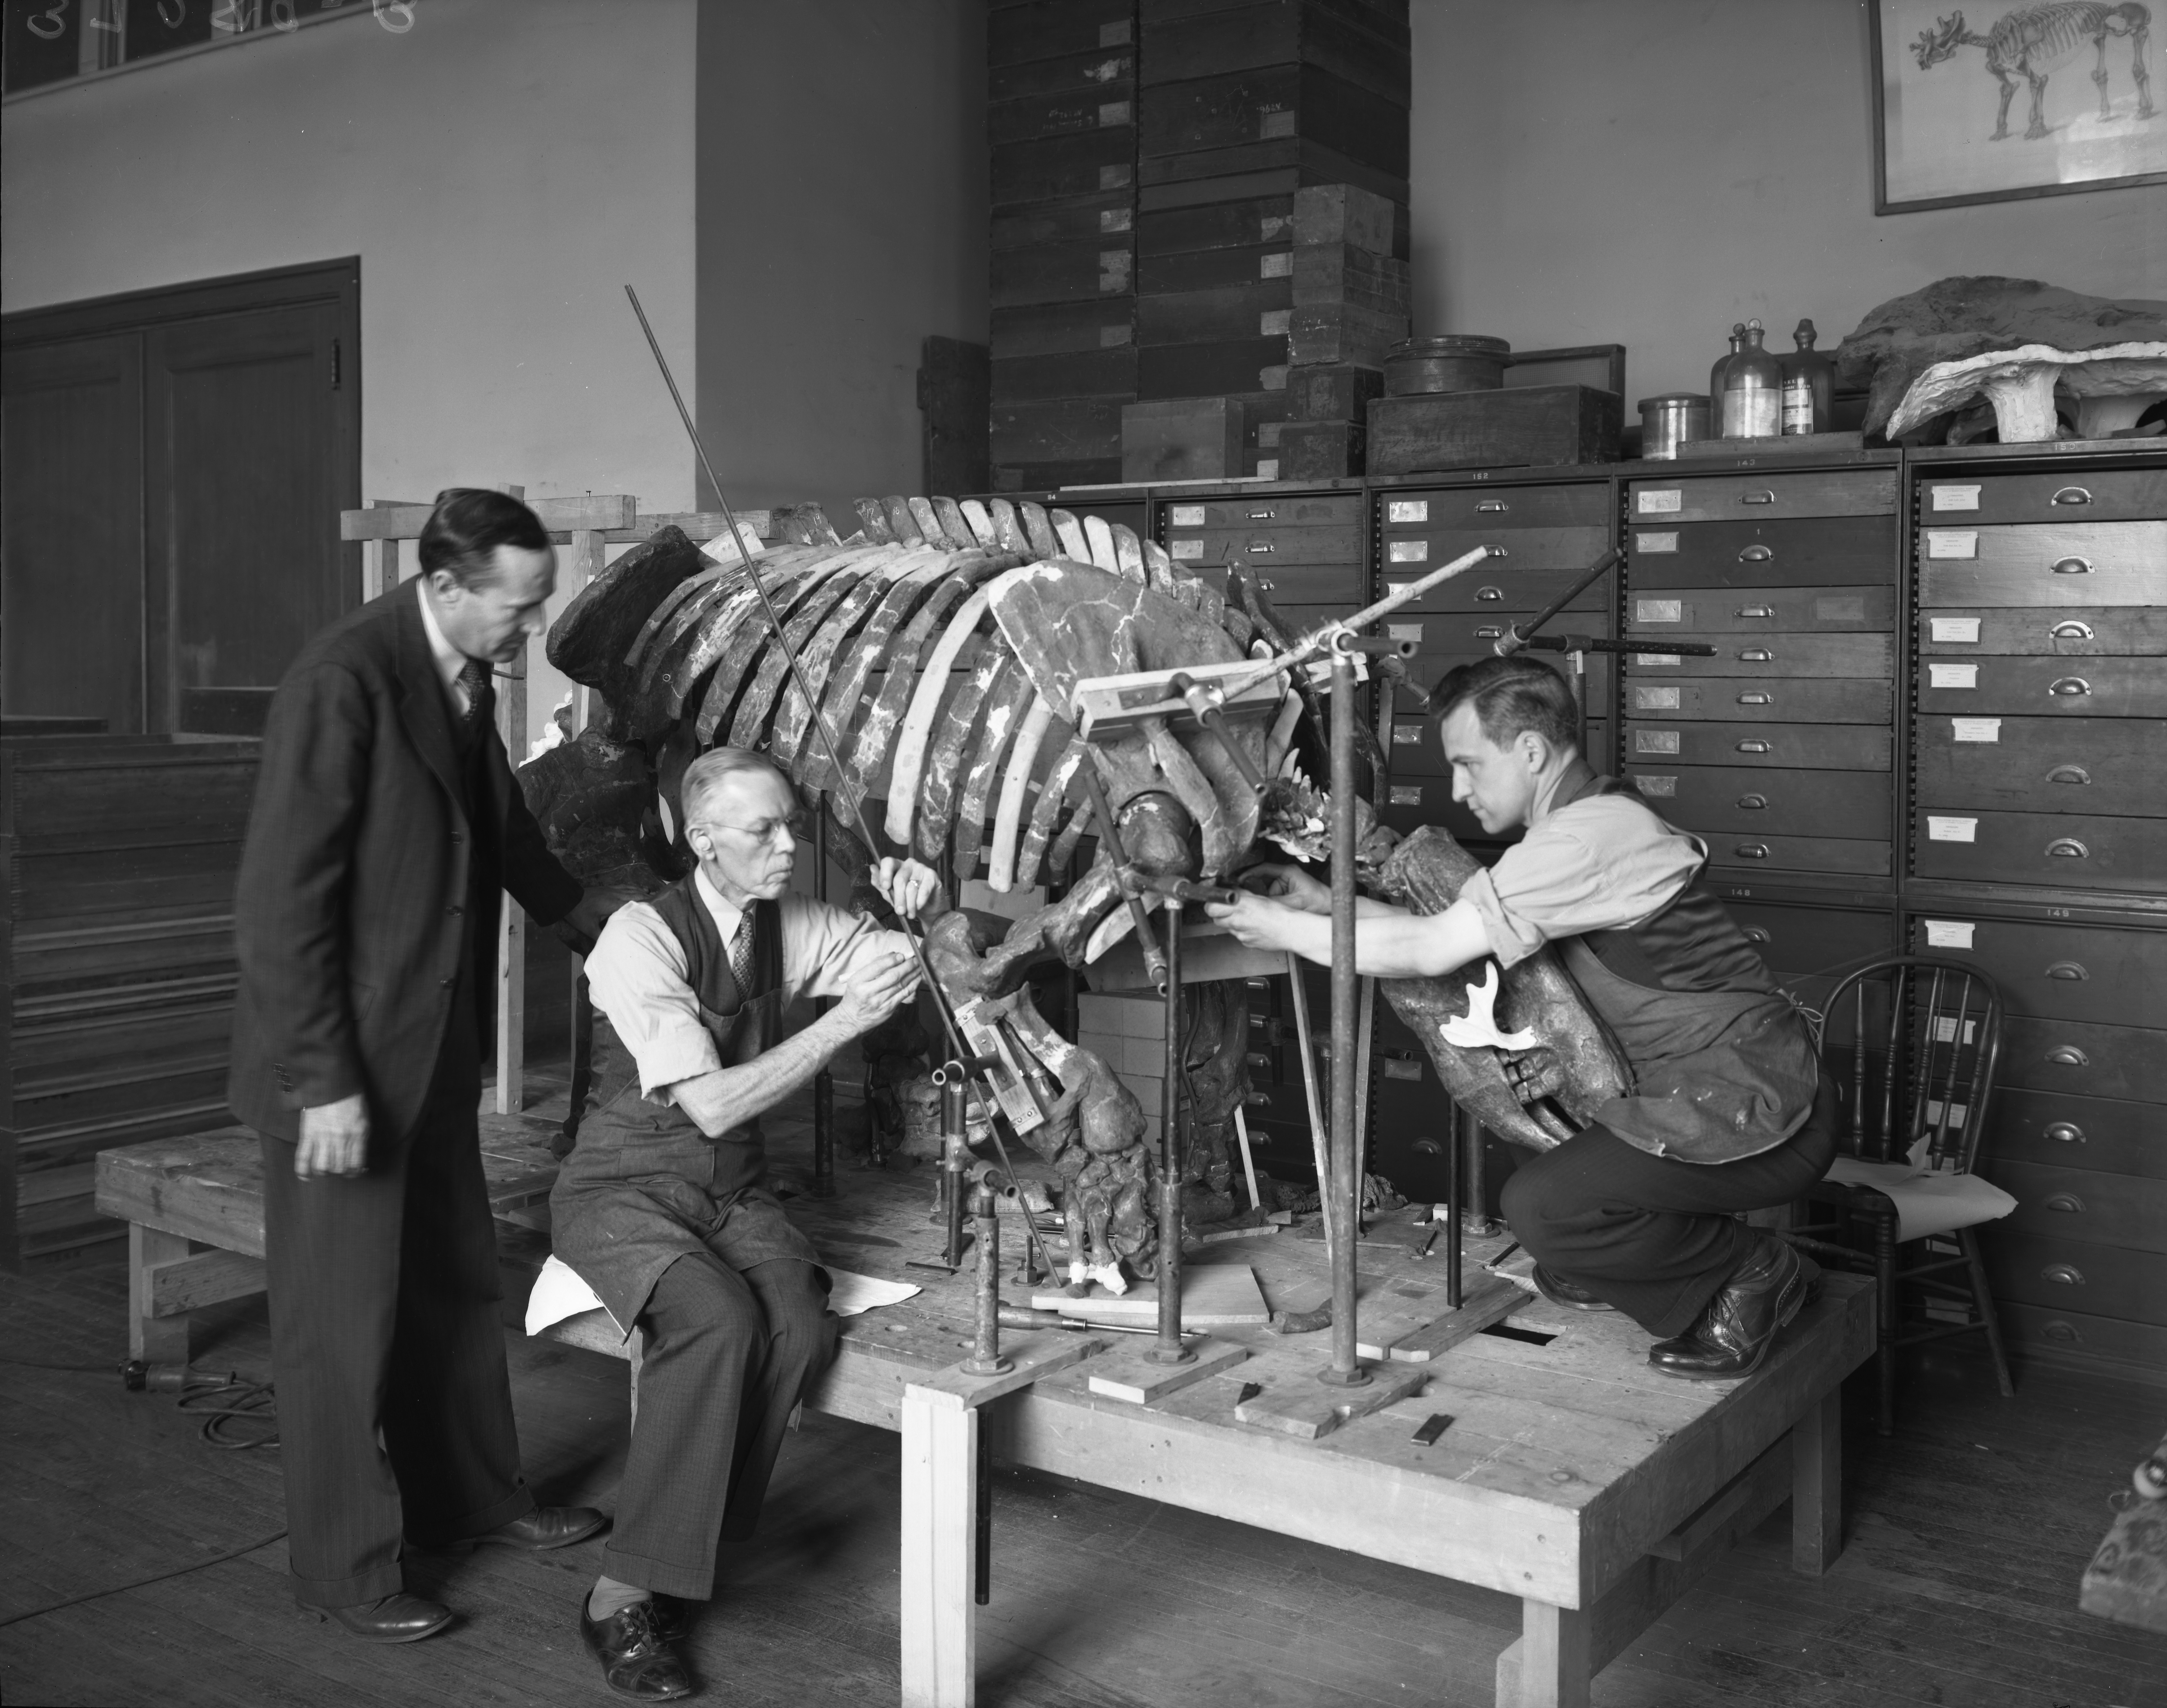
point(1976, 729)
point(1397, 586)
point(1406, 734)
point(1273, 323)
point(1654, 699)
point(1655, 741)
point(1406, 794)
point(1404, 631)
point(1661, 501)
point(1955, 498)
point(1949, 934)
point(1945, 1031)
point(1952, 542)
point(1658, 658)
point(1268, 467)
point(1659, 611)
point(1409, 551)
point(1407, 509)
point(1843, 607)
point(1187, 550)
point(1664, 786)
point(1960, 631)
point(1941, 830)
point(1279, 266)
point(1645, 542)
point(1184, 515)
point(1951, 676)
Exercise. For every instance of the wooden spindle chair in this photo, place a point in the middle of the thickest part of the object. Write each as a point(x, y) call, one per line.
point(1941, 1044)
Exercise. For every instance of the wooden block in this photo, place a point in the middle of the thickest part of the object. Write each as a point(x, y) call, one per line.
point(150, 1339)
point(1110, 214)
point(1789, 445)
point(1249, 110)
point(1062, 113)
point(1321, 450)
point(207, 1278)
point(1055, 329)
point(1218, 269)
point(1213, 1295)
point(1340, 332)
point(1417, 1333)
point(940, 1499)
point(1308, 1408)
point(1109, 373)
point(1057, 430)
point(1055, 168)
point(1245, 224)
point(1359, 43)
point(2127, 1580)
point(1229, 314)
point(1030, 1355)
point(1223, 369)
point(1325, 274)
point(1332, 391)
point(1192, 438)
point(1097, 266)
point(1136, 1378)
point(1053, 28)
point(1343, 213)
point(1534, 426)
point(1817, 1485)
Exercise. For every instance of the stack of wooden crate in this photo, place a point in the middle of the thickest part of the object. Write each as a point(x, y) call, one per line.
point(1240, 104)
point(1350, 306)
point(1062, 117)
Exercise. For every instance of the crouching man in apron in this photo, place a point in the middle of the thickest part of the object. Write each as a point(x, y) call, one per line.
point(664, 1205)
point(1729, 1110)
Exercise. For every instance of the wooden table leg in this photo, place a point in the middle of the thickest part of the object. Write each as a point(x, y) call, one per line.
point(1817, 1484)
point(939, 1508)
point(1553, 1658)
point(153, 1340)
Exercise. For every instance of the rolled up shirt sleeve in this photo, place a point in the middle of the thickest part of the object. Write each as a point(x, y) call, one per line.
point(825, 950)
point(1604, 863)
point(636, 976)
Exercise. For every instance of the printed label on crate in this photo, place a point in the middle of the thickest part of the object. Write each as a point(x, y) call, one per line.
point(1187, 550)
point(1407, 509)
point(1655, 741)
point(1396, 1068)
point(1962, 631)
point(1184, 515)
point(1113, 113)
point(1659, 611)
point(1645, 542)
point(1272, 126)
point(1655, 699)
point(1977, 729)
point(1954, 497)
point(1841, 607)
point(1949, 934)
point(1660, 500)
point(1279, 266)
point(1658, 658)
point(1404, 631)
point(1941, 830)
point(1271, 323)
point(1113, 337)
point(1268, 467)
point(1116, 219)
point(1952, 542)
point(1951, 676)
point(1406, 794)
point(1409, 551)
point(1667, 786)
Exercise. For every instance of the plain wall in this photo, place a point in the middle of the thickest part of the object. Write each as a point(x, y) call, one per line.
point(1647, 172)
point(501, 170)
point(843, 209)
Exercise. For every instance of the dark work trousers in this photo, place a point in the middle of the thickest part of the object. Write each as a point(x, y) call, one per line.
point(726, 1354)
point(383, 1316)
point(1652, 1236)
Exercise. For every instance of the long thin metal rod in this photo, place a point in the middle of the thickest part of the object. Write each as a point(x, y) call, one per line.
point(1342, 1202)
point(1319, 1135)
point(1519, 632)
point(1169, 1348)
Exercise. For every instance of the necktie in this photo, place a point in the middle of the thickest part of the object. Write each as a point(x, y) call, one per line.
point(741, 955)
point(474, 678)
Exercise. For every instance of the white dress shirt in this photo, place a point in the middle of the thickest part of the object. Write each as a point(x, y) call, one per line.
point(450, 660)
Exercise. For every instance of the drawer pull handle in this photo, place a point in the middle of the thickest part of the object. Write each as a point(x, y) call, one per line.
point(1756, 611)
point(1756, 554)
point(1753, 803)
point(2071, 970)
point(2067, 848)
point(1756, 699)
point(1491, 507)
point(1751, 851)
point(1259, 548)
point(1756, 747)
point(2066, 1274)
point(1262, 515)
point(2065, 1132)
point(1763, 496)
point(1427, 1147)
point(2071, 494)
point(2068, 1203)
point(2073, 566)
point(1489, 595)
point(2068, 687)
point(1754, 934)
point(1259, 1099)
point(2068, 1056)
point(2068, 773)
point(1489, 631)
point(1756, 654)
point(2071, 630)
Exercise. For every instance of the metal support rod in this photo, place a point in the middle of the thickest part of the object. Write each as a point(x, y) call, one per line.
point(1516, 635)
point(1169, 1348)
point(985, 1359)
point(955, 1158)
point(1475, 1216)
point(1341, 1202)
point(1110, 833)
point(1206, 704)
point(1454, 1129)
point(1320, 1135)
point(824, 1082)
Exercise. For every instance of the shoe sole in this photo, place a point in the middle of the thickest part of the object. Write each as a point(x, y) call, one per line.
point(323, 1618)
point(467, 1545)
point(1792, 1301)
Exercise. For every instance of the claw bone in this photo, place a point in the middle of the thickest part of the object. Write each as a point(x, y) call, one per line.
point(1478, 1026)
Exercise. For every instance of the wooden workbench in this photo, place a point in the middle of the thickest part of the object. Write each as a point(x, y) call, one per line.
point(1572, 1475)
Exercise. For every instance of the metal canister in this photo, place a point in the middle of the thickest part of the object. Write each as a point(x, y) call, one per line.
point(1464, 363)
point(1669, 421)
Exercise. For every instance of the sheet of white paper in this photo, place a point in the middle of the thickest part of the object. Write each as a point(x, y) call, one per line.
point(854, 1292)
point(1926, 1203)
point(560, 1292)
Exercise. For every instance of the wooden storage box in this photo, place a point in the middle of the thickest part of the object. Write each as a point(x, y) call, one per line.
point(1182, 438)
point(1533, 426)
point(1320, 450)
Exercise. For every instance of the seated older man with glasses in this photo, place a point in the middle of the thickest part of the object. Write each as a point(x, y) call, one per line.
point(663, 1206)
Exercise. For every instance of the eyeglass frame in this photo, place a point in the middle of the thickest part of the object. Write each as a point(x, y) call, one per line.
point(799, 824)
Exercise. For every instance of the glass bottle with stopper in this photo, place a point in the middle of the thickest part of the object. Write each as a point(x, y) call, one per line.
point(1808, 384)
point(1715, 375)
point(1752, 390)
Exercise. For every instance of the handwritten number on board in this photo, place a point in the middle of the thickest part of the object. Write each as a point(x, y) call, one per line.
point(282, 18)
point(52, 25)
point(97, 16)
point(396, 16)
point(173, 13)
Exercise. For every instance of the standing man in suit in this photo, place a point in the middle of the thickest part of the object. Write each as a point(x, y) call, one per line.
point(386, 822)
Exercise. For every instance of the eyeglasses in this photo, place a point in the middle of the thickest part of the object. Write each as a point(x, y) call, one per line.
point(799, 825)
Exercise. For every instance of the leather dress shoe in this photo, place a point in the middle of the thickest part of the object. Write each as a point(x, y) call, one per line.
point(1734, 1333)
point(397, 1618)
point(636, 1655)
point(1564, 1293)
point(673, 1616)
point(546, 1527)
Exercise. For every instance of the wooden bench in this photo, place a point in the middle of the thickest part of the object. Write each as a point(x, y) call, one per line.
point(1572, 1477)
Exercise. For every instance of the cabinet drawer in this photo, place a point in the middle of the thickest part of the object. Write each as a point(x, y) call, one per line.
point(1813, 940)
point(1655, 612)
point(2118, 1347)
point(1344, 587)
point(2063, 849)
point(2072, 1204)
point(1780, 656)
point(1761, 497)
point(2058, 971)
point(1426, 669)
point(1744, 700)
point(2106, 563)
point(2067, 1132)
point(1709, 800)
point(2113, 766)
point(1265, 547)
point(1961, 631)
point(2100, 1281)
point(1323, 509)
point(1488, 508)
point(2082, 1057)
point(2100, 494)
point(1413, 1129)
point(1575, 549)
point(1777, 746)
point(1847, 551)
point(2046, 688)
point(1743, 853)
point(1302, 618)
point(1472, 634)
point(1501, 584)
point(1417, 800)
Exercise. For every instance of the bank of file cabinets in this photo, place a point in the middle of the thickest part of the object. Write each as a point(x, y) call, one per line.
point(1778, 749)
point(2041, 696)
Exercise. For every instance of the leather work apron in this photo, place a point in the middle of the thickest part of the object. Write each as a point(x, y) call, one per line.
point(644, 1186)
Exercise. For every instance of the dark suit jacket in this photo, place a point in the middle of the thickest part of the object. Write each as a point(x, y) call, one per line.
point(348, 916)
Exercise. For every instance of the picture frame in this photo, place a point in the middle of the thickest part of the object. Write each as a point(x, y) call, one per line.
point(2001, 102)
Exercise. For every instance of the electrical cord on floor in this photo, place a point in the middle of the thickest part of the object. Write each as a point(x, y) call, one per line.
point(140, 1583)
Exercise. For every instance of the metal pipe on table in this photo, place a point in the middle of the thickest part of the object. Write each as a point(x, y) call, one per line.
point(824, 1082)
point(985, 1359)
point(1110, 833)
point(1169, 1348)
point(955, 1159)
point(1342, 1203)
